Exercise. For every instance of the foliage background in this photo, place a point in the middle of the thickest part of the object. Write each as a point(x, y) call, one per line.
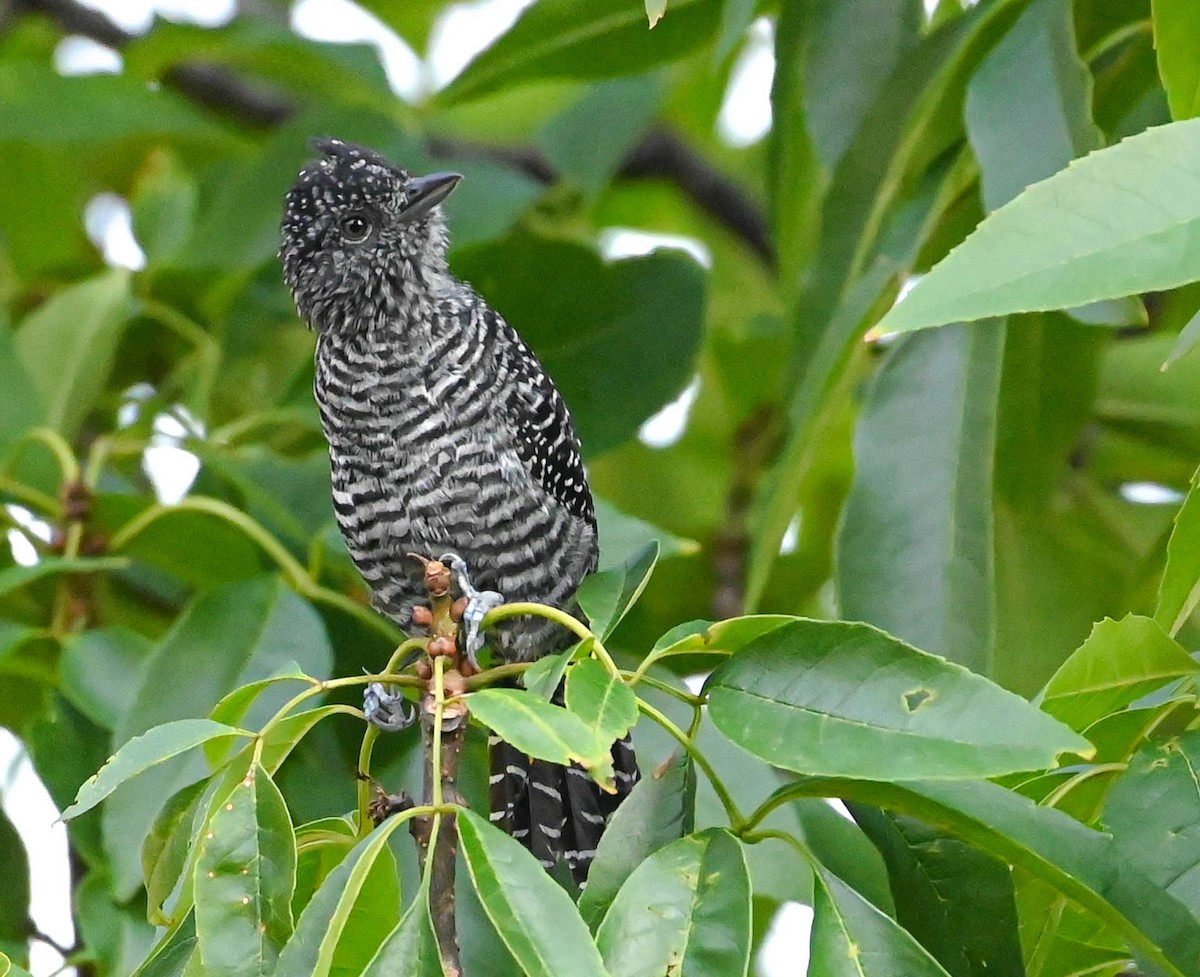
point(986, 492)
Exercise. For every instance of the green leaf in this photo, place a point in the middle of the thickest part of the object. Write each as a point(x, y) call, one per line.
point(827, 697)
point(851, 938)
point(1179, 591)
point(542, 678)
point(68, 343)
point(1177, 44)
point(659, 810)
point(1032, 81)
point(228, 637)
point(143, 752)
point(166, 848)
point(915, 547)
point(606, 597)
point(622, 536)
point(15, 577)
point(603, 701)
point(1153, 812)
point(1098, 230)
point(1081, 863)
point(10, 969)
point(21, 404)
point(245, 875)
point(542, 730)
point(600, 39)
point(957, 902)
point(98, 670)
point(685, 909)
point(636, 324)
point(411, 948)
point(588, 142)
point(350, 915)
point(14, 894)
point(1189, 336)
point(532, 914)
point(320, 847)
point(1120, 662)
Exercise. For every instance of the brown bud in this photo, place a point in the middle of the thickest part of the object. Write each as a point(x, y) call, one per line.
point(422, 616)
point(94, 544)
point(424, 670)
point(458, 609)
point(454, 683)
point(468, 667)
point(437, 578)
point(441, 645)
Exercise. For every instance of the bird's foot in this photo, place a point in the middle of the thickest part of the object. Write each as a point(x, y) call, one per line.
point(479, 602)
point(388, 711)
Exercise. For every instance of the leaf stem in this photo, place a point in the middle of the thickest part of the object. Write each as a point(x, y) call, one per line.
point(737, 823)
point(559, 616)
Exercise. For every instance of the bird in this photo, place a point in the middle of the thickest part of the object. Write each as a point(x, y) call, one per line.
point(446, 435)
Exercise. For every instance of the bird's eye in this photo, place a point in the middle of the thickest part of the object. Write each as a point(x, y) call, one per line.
point(356, 228)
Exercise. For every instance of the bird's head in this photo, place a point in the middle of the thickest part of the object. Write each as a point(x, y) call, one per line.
point(359, 232)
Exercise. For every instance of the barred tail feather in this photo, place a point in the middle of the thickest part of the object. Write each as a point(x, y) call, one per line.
point(558, 813)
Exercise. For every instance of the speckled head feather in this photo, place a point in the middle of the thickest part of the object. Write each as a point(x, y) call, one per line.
point(357, 228)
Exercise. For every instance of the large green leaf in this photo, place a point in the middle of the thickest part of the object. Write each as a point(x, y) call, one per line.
point(411, 948)
point(955, 900)
point(1120, 662)
point(245, 875)
point(1081, 863)
point(606, 597)
point(1031, 81)
point(1177, 44)
point(532, 913)
point(602, 700)
point(685, 909)
point(21, 403)
point(166, 847)
point(659, 810)
point(228, 637)
point(1153, 812)
point(543, 730)
point(98, 672)
point(14, 895)
point(618, 338)
point(828, 697)
point(141, 753)
point(68, 343)
point(1179, 591)
point(601, 39)
point(851, 938)
point(1121, 221)
point(346, 921)
point(915, 549)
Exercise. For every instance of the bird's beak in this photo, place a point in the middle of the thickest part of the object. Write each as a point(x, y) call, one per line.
point(423, 193)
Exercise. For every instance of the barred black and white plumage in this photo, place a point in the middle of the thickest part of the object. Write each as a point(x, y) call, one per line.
point(445, 434)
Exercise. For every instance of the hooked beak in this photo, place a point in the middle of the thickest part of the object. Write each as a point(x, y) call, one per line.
point(426, 192)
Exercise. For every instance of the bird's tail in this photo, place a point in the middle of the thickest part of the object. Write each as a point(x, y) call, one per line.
point(557, 812)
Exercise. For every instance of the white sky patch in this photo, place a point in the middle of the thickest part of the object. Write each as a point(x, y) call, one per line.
point(170, 467)
point(667, 426)
point(109, 224)
point(625, 242)
point(745, 115)
point(345, 22)
point(23, 550)
point(839, 805)
point(465, 29)
point(1150, 493)
point(791, 536)
point(136, 16)
point(77, 55)
point(32, 812)
point(785, 947)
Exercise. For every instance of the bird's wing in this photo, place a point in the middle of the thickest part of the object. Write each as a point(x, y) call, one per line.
point(545, 435)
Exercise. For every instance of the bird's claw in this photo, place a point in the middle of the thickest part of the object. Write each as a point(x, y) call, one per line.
point(479, 602)
point(388, 711)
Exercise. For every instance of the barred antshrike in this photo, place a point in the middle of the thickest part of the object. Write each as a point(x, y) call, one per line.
point(445, 434)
